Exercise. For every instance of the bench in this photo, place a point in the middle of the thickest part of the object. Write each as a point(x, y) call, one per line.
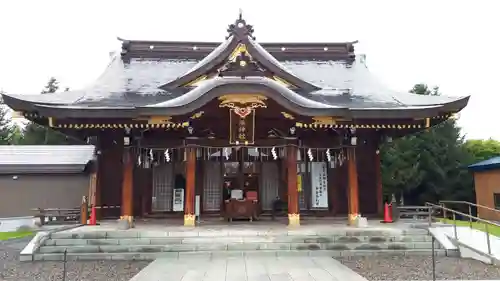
point(57, 215)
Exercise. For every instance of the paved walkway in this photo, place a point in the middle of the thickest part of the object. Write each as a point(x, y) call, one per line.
point(248, 269)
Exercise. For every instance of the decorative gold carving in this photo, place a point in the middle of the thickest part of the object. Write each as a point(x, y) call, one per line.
point(156, 119)
point(243, 104)
point(293, 220)
point(189, 220)
point(284, 82)
point(122, 126)
point(51, 122)
point(324, 120)
point(240, 49)
point(287, 115)
point(193, 82)
point(197, 115)
point(427, 122)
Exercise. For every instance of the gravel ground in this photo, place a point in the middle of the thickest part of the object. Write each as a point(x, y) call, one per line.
point(420, 268)
point(12, 269)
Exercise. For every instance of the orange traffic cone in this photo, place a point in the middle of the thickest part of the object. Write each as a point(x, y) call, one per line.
point(93, 220)
point(387, 214)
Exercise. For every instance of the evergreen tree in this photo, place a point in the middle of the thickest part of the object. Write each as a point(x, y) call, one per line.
point(5, 126)
point(35, 134)
point(429, 165)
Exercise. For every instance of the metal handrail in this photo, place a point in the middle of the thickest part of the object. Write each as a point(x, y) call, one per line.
point(470, 204)
point(455, 212)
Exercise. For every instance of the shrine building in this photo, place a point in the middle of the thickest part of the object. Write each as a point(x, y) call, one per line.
point(176, 121)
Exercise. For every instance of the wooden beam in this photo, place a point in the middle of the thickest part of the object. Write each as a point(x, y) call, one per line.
point(352, 188)
point(293, 193)
point(189, 216)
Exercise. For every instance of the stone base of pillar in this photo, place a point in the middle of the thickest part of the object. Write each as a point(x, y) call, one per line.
point(352, 219)
point(293, 219)
point(126, 222)
point(189, 220)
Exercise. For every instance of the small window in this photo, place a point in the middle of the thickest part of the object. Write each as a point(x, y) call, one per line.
point(496, 200)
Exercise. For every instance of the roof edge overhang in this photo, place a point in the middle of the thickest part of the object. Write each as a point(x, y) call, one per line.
point(214, 88)
point(42, 169)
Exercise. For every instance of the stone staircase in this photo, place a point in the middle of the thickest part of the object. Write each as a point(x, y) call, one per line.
point(149, 245)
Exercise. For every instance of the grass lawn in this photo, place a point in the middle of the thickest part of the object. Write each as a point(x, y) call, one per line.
point(14, 234)
point(492, 229)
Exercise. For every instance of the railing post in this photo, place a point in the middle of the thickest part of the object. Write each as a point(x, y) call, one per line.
point(488, 238)
point(455, 226)
point(443, 207)
point(430, 211)
point(433, 259)
point(470, 216)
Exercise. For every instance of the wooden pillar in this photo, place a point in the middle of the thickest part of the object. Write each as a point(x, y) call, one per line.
point(127, 207)
point(293, 193)
point(378, 177)
point(352, 188)
point(189, 216)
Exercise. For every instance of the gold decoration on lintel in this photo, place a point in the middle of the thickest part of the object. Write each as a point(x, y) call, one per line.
point(324, 120)
point(243, 104)
point(156, 119)
point(358, 126)
point(287, 115)
point(122, 126)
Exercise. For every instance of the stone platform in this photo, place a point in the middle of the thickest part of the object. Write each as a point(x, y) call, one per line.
point(151, 240)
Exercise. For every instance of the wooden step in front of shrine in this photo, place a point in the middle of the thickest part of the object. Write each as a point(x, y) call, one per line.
point(148, 245)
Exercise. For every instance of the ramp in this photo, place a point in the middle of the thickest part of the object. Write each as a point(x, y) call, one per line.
point(471, 243)
point(248, 268)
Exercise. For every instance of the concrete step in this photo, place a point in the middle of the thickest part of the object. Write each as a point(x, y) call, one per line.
point(235, 233)
point(147, 248)
point(254, 239)
point(214, 254)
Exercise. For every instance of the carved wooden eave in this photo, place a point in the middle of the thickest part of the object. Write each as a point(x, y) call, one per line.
point(239, 56)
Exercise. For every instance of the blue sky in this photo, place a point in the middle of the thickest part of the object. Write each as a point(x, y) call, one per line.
point(452, 44)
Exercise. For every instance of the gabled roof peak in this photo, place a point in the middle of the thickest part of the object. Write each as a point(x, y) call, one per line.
point(240, 29)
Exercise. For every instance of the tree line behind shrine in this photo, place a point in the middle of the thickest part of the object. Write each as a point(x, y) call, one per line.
point(425, 167)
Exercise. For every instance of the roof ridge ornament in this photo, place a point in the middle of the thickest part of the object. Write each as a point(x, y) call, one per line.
point(240, 29)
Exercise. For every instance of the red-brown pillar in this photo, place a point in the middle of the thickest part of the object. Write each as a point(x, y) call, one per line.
point(293, 193)
point(127, 207)
point(189, 216)
point(378, 177)
point(352, 188)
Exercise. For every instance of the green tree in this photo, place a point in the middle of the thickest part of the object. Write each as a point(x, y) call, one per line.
point(483, 149)
point(35, 134)
point(5, 126)
point(429, 165)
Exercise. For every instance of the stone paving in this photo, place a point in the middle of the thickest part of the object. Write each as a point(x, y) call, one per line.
point(249, 269)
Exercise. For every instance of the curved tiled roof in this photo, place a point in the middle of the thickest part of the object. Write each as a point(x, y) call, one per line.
point(134, 84)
